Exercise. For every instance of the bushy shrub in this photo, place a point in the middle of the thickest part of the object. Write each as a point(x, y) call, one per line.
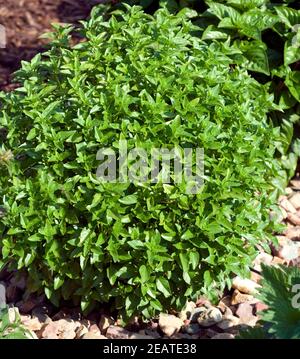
point(146, 246)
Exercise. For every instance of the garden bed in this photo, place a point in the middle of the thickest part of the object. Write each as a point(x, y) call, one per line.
point(25, 21)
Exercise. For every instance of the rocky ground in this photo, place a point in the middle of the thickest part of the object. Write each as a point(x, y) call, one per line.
point(236, 310)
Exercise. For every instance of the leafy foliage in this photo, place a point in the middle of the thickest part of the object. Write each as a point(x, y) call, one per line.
point(265, 36)
point(11, 329)
point(282, 318)
point(145, 246)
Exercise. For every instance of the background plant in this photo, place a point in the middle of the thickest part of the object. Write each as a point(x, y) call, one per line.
point(266, 36)
point(144, 247)
point(281, 320)
point(11, 327)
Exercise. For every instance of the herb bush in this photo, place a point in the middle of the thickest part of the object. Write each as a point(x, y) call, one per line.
point(144, 247)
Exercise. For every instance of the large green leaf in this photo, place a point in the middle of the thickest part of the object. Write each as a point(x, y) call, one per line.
point(292, 81)
point(289, 16)
point(255, 53)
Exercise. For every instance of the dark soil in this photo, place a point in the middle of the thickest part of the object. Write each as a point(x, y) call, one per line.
point(25, 21)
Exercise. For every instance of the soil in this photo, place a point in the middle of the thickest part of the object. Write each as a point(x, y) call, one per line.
point(25, 21)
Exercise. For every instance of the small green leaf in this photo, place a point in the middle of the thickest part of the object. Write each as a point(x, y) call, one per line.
point(163, 286)
point(144, 273)
point(131, 199)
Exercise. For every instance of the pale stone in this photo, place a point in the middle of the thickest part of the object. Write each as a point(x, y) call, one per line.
point(226, 311)
point(295, 200)
point(288, 249)
point(288, 191)
point(292, 233)
point(60, 329)
point(262, 258)
point(210, 317)
point(283, 214)
point(287, 205)
point(187, 311)
point(140, 336)
point(81, 331)
point(246, 286)
point(238, 298)
point(114, 332)
point(294, 218)
point(245, 313)
point(277, 260)
point(295, 183)
point(91, 335)
point(169, 324)
point(33, 324)
point(93, 328)
point(255, 277)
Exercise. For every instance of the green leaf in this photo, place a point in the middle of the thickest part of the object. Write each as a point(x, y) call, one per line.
point(151, 82)
point(144, 273)
point(292, 50)
point(184, 261)
point(255, 53)
point(222, 11)
point(292, 81)
point(186, 277)
point(207, 278)
point(289, 16)
point(131, 199)
point(213, 33)
point(156, 305)
point(163, 286)
point(58, 282)
point(194, 259)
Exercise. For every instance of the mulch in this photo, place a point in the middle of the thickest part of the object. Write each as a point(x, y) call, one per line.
point(25, 21)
